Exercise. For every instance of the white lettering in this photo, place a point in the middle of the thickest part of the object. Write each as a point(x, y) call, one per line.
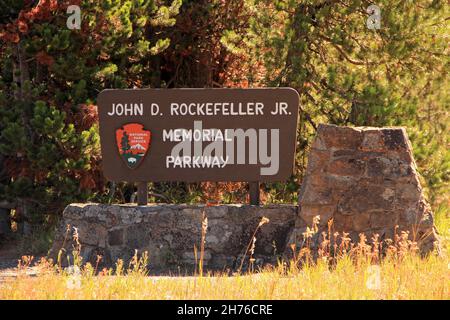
point(235, 146)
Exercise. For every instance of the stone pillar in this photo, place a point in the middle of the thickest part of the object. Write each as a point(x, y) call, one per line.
point(366, 180)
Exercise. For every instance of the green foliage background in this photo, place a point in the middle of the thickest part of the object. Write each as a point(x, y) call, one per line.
point(346, 74)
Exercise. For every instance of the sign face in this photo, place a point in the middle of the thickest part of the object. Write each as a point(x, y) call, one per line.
point(198, 134)
point(133, 143)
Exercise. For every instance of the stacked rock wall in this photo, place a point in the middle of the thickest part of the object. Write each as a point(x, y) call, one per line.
point(169, 233)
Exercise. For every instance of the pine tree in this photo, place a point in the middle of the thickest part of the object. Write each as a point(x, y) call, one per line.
point(346, 74)
point(125, 145)
point(49, 80)
point(349, 74)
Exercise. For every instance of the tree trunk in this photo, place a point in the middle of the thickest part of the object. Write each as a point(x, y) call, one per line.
point(24, 226)
point(24, 71)
point(5, 222)
point(22, 76)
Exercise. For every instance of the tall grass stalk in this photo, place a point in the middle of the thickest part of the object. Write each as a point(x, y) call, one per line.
point(342, 269)
point(252, 243)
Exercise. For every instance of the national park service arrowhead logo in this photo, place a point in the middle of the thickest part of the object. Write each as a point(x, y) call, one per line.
point(133, 143)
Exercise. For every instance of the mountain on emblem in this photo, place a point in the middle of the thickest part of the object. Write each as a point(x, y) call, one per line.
point(133, 143)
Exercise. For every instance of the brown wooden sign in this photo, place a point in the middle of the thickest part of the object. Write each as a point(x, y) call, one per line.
point(198, 134)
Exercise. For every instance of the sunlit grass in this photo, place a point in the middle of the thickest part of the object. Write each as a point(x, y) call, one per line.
point(414, 278)
point(358, 273)
point(442, 222)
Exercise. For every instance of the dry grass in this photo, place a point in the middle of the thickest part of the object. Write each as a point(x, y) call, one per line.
point(344, 271)
point(414, 278)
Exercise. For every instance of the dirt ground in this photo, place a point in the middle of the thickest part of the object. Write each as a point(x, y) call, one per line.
point(9, 258)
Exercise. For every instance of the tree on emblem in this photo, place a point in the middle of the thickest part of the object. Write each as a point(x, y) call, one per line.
point(125, 143)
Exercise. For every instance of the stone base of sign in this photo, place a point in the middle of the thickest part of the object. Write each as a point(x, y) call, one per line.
point(169, 233)
point(366, 180)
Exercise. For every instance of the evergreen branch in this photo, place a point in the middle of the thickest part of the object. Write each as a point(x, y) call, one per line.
point(7, 205)
point(346, 57)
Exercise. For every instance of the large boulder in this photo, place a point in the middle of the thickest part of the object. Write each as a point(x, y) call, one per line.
point(366, 180)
